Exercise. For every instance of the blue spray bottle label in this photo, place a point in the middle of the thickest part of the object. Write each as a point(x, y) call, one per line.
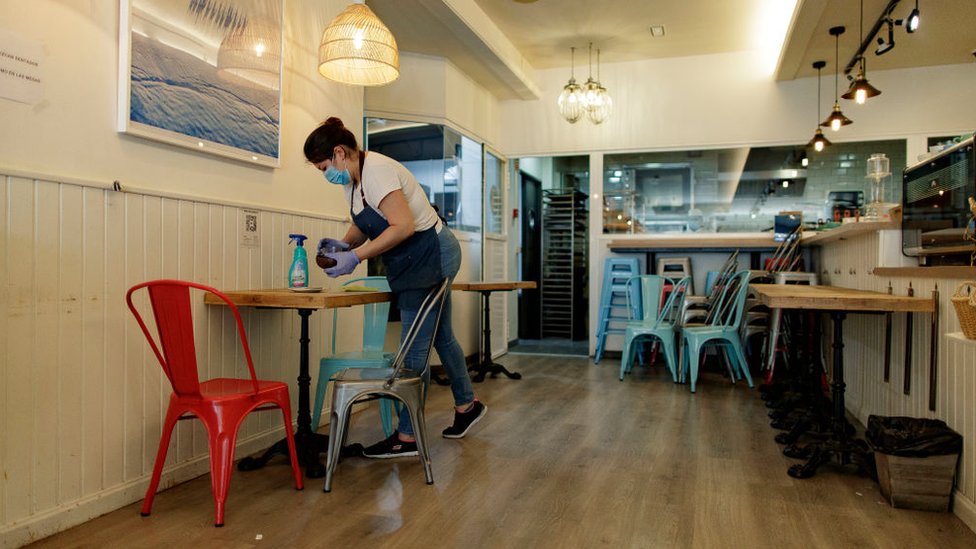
point(298, 272)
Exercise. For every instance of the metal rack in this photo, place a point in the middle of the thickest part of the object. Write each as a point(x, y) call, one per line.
point(564, 273)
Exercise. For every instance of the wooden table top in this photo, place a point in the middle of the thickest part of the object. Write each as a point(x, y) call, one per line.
point(491, 286)
point(833, 298)
point(283, 298)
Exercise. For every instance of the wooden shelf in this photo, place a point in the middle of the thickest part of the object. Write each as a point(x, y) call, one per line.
point(927, 272)
point(746, 241)
point(695, 240)
point(846, 231)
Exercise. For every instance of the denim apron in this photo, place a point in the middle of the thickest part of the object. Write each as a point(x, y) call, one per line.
point(412, 266)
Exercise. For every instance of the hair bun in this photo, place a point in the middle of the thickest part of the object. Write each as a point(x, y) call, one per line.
point(333, 121)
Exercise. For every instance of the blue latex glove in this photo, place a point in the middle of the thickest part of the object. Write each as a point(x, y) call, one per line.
point(325, 242)
point(345, 263)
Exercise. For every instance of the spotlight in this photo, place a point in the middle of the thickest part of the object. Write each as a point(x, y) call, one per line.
point(884, 47)
point(911, 24)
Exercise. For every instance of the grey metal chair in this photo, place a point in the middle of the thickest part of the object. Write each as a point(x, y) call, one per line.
point(409, 387)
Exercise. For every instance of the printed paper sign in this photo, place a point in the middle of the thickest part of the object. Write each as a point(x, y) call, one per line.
point(20, 69)
point(250, 232)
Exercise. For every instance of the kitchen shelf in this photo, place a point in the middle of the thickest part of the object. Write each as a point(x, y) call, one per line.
point(564, 264)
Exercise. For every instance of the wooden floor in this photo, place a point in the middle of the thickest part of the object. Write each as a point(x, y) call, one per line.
point(567, 457)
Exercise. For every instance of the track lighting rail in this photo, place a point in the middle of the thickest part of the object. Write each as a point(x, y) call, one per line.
point(869, 37)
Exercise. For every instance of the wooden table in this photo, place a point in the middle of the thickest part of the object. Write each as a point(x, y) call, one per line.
point(840, 446)
point(308, 443)
point(486, 365)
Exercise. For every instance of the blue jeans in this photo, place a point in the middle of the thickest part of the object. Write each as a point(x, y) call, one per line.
point(448, 349)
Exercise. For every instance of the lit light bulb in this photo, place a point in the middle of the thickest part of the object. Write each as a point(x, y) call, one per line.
point(259, 49)
point(357, 39)
point(805, 162)
point(860, 96)
point(835, 124)
point(818, 146)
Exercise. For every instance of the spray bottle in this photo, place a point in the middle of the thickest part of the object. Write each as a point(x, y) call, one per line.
point(298, 273)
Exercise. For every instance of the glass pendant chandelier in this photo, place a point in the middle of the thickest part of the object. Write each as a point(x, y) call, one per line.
point(819, 142)
point(600, 105)
point(836, 119)
point(571, 99)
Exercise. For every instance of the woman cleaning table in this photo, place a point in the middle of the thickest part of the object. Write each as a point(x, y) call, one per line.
point(392, 219)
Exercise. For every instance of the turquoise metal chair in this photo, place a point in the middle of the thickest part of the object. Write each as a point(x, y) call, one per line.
point(375, 317)
point(659, 322)
point(722, 328)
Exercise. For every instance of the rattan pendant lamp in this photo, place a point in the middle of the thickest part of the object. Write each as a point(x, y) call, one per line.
point(250, 54)
point(358, 49)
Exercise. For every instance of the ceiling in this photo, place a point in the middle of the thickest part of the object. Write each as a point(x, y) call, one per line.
point(541, 33)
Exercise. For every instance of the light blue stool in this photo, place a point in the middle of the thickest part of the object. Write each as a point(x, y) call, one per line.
point(372, 356)
point(615, 307)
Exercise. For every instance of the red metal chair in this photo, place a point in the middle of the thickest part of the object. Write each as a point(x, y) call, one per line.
point(221, 403)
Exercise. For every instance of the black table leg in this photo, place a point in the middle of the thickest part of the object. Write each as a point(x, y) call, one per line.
point(308, 443)
point(840, 446)
point(486, 366)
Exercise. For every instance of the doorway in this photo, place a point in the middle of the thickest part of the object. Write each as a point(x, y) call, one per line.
point(530, 303)
point(553, 242)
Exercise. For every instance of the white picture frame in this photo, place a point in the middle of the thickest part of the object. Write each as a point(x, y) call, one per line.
point(204, 75)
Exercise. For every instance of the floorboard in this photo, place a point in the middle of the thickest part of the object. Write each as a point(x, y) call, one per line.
point(566, 457)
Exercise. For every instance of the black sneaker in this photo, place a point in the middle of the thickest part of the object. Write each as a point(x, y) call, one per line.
point(391, 447)
point(463, 421)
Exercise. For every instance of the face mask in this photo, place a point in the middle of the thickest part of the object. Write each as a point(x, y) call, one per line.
point(337, 177)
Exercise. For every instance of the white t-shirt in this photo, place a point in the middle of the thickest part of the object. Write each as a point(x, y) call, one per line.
point(383, 175)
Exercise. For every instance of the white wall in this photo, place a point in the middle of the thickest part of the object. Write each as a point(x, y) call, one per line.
point(712, 101)
point(431, 89)
point(79, 419)
point(72, 132)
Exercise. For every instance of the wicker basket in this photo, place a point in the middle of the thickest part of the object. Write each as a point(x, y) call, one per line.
point(964, 301)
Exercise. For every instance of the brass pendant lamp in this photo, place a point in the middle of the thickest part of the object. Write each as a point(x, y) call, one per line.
point(836, 119)
point(819, 141)
point(861, 89)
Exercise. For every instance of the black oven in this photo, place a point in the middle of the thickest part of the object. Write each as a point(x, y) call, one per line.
point(936, 209)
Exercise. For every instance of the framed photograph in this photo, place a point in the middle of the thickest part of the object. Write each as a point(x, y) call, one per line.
point(203, 74)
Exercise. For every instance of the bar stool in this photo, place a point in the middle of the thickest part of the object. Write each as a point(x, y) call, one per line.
point(614, 303)
point(776, 315)
point(676, 268)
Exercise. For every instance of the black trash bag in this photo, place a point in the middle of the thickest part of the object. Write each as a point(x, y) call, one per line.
point(912, 436)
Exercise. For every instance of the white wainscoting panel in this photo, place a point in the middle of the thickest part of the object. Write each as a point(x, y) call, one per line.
point(82, 398)
point(849, 263)
point(495, 270)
